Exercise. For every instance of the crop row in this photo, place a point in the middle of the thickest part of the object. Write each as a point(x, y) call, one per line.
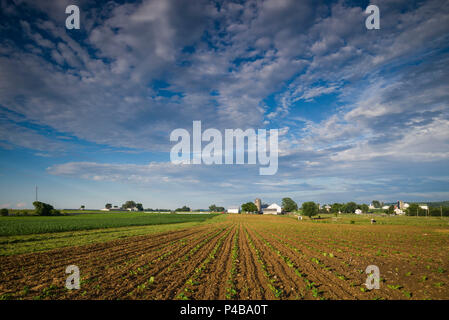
point(231, 291)
point(191, 282)
point(310, 285)
point(149, 279)
point(277, 291)
point(393, 287)
point(326, 274)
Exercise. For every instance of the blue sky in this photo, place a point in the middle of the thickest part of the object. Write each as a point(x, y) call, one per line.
point(86, 114)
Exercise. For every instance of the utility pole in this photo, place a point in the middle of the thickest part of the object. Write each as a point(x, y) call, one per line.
point(36, 193)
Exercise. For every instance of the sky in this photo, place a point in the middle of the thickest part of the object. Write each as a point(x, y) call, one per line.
point(86, 114)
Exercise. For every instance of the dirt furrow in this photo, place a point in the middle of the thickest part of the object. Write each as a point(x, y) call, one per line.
point(288, 284)
point(212, 281)
point(42, 278)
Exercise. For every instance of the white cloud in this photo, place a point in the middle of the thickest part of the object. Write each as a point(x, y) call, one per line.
point(105, 88)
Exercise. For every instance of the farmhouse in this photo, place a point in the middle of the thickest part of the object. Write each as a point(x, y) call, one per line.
point(233, 210)
point(113, 209)
point(272, 209)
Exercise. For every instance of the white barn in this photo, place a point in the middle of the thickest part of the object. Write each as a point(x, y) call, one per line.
point(272, 209)
point(233, 210)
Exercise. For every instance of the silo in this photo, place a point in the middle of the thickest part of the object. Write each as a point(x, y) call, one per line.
point(258, 204)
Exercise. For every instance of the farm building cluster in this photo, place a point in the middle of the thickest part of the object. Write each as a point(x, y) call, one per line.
point(273, 208)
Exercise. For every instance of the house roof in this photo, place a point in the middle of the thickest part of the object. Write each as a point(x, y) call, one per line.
point(274, 206)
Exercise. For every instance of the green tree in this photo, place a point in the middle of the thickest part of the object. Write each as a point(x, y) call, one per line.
point(4, 212)
point(139, 206)
point(55, 212)
point(350, 207)
point(42, 209)
point(309, 209)
point(413, 210)
point(336, 207)
point(249, 207)
point(183, 209)
point(108, 206)
point(129, 204)
point(376, 203)
point(364, 208)
point(214, 208)
point(289, 205)
point(390, 210)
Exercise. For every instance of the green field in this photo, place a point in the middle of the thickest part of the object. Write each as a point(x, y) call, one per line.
point(24, 225)
point(23, 234)
point(64, 231)
point(380, 220)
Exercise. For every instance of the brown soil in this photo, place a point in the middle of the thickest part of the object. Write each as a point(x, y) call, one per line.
point(278, 258)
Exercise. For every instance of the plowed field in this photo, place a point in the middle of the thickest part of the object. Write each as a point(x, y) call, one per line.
point(244, 257)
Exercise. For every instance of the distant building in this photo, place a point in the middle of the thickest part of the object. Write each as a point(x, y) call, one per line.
point(358, 211)
point(424, 207)
point(116, 208)
point(113, 209)
point(233, 210)
point(327, 207)
point(399, 211)
point(371, 206)
point(385, 207)
point(273, 209)
point(258, 204)
point(400, 204)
